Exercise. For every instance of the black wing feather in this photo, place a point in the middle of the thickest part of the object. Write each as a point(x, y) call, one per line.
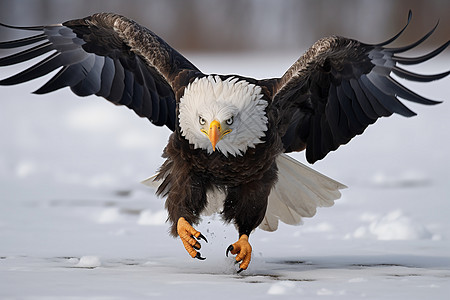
point(366, 105)
point(40, 69)
point(357, 89)
point(116, 91)
point(90, 84)
point(418, 60)
point(408, 75)
point(26, 54)
point(107, 77)
point(22, 42)
point(109, 56)
point(128, 92)
point(138, 99)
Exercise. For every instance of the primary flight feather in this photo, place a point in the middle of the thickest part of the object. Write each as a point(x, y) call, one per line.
point(230, 133)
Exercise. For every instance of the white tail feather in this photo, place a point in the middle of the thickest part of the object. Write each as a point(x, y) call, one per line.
point(298, 192)
point(151, 182)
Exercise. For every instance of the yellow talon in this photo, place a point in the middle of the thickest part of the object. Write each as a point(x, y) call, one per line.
point(243, 249)
point(187, 234)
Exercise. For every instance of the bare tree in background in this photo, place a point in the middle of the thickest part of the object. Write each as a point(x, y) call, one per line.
point(232, 25)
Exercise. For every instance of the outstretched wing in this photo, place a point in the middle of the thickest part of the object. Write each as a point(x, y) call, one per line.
point(107, 55)
point(339, 87)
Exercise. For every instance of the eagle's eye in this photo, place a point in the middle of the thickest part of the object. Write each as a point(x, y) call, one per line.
point(230, 121)
point(201, 121)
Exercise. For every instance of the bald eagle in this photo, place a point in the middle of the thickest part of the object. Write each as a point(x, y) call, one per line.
point(227, 152)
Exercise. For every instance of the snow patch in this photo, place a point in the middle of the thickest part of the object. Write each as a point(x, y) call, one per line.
point(110, 215)
point(368, 217)
point(281, 288)
point(406, 179)
point(25, 169)
point(324, 292)
point(102, 180)
point(321, 227)
point(88, 262)
point(357, 280)
point(392, 226)
point(147, 217)
point(328, 292)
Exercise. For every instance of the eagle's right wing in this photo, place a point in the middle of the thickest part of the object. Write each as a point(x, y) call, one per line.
point(107, 55)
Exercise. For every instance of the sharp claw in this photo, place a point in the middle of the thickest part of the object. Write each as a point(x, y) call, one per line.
point(199, 256)
point(243, 250)
point(201, 236)
point(230, 248)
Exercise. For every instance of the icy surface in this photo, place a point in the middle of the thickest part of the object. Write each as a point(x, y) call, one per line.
point(76, 224)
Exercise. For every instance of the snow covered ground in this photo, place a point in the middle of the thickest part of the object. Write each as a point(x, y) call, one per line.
point(76, 224)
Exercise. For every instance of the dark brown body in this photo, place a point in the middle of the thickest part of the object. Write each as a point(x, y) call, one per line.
point(189, 173)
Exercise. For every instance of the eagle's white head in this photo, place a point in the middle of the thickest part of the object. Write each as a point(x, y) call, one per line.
point(224, 115)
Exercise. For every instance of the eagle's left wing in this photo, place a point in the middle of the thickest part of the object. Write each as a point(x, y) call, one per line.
point(339, 87)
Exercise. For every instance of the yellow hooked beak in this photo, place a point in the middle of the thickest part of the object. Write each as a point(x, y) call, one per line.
point(215, 133)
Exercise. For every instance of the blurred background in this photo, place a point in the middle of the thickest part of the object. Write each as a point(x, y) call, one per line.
point(250, 25)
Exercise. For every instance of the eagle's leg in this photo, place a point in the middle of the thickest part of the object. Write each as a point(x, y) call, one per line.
point(189, 236)
point(243, 249)
point(245, 206)
point(185, 201)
